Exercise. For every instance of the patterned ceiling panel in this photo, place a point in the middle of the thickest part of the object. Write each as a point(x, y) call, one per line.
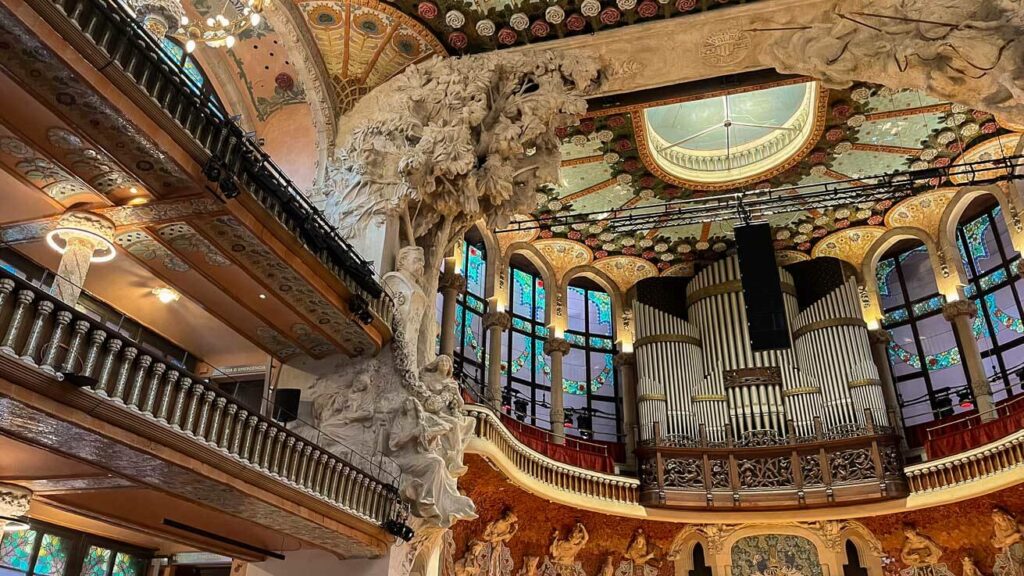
point(364, 43)
point(866, 130)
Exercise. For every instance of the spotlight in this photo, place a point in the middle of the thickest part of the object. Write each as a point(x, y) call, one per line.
point(964, 397)
point(943, 407)
point(399, 530)
point(228, 187)
point(212, 170)
point(360, 309)
point(521, 404)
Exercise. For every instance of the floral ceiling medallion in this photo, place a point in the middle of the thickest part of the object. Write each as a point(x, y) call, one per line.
point(726, 140)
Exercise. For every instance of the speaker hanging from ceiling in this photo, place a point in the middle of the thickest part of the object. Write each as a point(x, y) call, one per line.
point(762, 289)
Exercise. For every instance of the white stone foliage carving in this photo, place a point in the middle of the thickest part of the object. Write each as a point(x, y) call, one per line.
point(14, 500)
point(966, 52)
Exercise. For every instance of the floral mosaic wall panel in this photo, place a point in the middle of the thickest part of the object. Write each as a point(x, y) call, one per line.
point(785, 554)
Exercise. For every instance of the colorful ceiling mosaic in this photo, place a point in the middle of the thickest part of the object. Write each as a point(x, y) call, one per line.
point(363, 43)
point(867, 130)
point(482, 25)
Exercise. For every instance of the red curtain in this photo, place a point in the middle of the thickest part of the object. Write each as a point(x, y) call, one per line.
point(572, 452)
point(966, 439)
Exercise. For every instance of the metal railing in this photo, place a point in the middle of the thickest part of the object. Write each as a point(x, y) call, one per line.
point(231, 158)
point(43, 332)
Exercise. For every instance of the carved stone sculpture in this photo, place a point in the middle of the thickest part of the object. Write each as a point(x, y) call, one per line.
point(966, 52)
point(641, 558)
point(919, 550)
point(530, 566)
point(1007, 538)
point(439, 147)
point(472, 563)
point(502, 529)
point(969, 567)
point(14, 501)
point(564, 550)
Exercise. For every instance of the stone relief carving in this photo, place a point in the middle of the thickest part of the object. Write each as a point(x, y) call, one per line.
point(1007, 538)
point(642, 558)
point(439, 147)
point(561, 558)
point(962, 51)
point(969, 567)
point(14, 501)
point(922, 555)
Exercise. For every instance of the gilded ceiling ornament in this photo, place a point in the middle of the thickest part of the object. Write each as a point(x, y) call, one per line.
point(626, 271)
point(988, 152)
point(848, 244)
point(563, 255)
point(923, 211)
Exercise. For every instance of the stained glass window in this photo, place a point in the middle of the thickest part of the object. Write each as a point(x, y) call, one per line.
point(187, 62)
point(989, 260)
point(16, 549)
point(125, 565)
point(53, 556)
point(525, 368)
point(97, 561)
point(470, 336)
point(923, 349)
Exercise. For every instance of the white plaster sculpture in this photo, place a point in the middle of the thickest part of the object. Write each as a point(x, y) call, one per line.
point(561, 558)
point(439, 147)
point(966, 52)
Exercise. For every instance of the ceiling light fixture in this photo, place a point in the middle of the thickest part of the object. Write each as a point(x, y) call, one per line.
point(13, 524)
point(166, 295)
point(167, 18)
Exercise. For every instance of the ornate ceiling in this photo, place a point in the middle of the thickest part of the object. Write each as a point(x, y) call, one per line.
point(609, 167)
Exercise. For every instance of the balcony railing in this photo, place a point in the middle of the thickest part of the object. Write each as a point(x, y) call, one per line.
point(231, 158)
point(768, 470)
point(972, 430)
point(42, 332)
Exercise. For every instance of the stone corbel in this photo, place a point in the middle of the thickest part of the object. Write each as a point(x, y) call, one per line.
point(14, 501)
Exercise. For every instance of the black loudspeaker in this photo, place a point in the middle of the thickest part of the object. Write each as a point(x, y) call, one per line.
point(286, 404)
point(762, 290)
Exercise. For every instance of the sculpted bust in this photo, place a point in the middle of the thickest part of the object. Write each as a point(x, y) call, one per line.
point(918, 549)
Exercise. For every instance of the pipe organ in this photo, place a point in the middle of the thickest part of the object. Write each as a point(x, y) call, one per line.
point(698, 374)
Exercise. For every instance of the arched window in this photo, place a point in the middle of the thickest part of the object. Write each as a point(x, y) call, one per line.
point(525, 367)
point(177, 53)
point(923, 350)
point(590, 390)
point(470, 345)
point(589, 371)
point(989, 258)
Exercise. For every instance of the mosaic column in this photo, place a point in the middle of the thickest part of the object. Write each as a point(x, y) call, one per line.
point(961, 313)
point(82, 238)
point(626, 363)
point(879, 339)
point(451, 285)
point(495, 323)
point(557, 348)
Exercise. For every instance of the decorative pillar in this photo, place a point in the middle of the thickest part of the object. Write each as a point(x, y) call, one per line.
point(495, 323)
point(879, 339)
point(961, 313)
point(557, 348)
point(14, 502)
point(626, 363)
point(81, 238)
point(451, 285)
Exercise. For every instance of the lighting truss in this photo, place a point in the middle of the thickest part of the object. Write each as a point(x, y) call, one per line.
point(753, 204)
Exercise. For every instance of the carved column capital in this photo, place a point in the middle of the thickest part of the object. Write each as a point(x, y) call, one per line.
point(14, 500)
point(450, 281)
point(497, 319)
point(879, 336)
point(957, 308)
point(556, 344)
point(625, 359)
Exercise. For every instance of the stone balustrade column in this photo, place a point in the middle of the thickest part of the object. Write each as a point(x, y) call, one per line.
point(14, 502)
point(189, 420)
point(60, 325)
point(961, 313)
point(75, 346)
point(268, 447)
point(451, 285)
point(184, 385)
point(35, 333)
point(204, 413)
point(212, 433)
point(21, 302)
point(275, 458)
point(149, 401)
point(103, 379)
point(626, 362)
point(134, 393)
point(242, 433)
point(6, 287)
point(495, 323)
point(92, 354)
point(121, 380)
point(257, 442)
point(557, 348)
point(228, 427)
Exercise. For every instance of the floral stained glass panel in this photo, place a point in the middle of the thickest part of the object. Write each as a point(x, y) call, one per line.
point(97, 561)
point(53, 556)
point(125, 565)
point(16, 549)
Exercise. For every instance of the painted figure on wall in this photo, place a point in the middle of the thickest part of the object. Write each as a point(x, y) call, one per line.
point(918, 549)
point(1006, 538)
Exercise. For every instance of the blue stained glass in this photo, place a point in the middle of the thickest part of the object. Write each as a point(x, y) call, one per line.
point(601, 302)
point(886, 267)
point(16, 549)
point(175, 52)
point(575, 339)
point(600, 343)
point(520, 324)
point(96, 562)
point(125, 565)
point(896, 316)
point(1000, 318)
point(997, 277)
point(538, 310)
point(53, 556)
point(522, 292)
point(541, 331)
point(933, 303)
point(475, 303)
point(476, 267)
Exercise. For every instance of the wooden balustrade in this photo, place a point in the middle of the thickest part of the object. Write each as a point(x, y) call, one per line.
point(34, 330)
point(772, 471)
point(543, 469)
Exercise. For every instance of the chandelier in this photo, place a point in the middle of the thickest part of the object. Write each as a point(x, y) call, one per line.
point(167, 18)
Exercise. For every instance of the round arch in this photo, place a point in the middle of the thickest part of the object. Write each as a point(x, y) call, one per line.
point(962, 200)
point(534, 256)
point(870, 300)
point(608, 285)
